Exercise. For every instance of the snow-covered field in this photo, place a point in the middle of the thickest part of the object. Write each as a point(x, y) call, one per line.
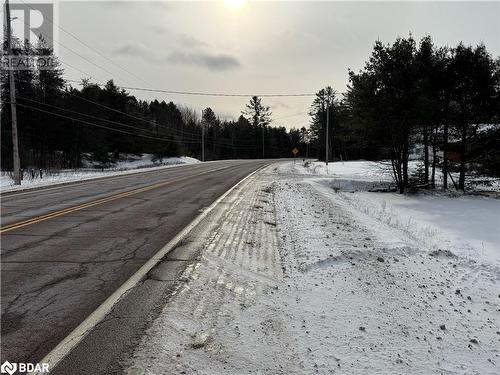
point(462, 224)
point(130, 165)
point(362, 170)
point(380, 174)
point(311, 273)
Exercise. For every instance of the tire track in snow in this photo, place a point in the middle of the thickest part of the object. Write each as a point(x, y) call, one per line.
point(216, 324)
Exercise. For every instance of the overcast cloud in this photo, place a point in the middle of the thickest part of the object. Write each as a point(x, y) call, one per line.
point(203, 59)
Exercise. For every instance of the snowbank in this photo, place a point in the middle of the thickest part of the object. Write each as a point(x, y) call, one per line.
point(127, 166)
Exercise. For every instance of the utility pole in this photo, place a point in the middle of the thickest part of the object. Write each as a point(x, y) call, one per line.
point(13, 109)
point(263, 127)
point(327, 126)
point(202, 137)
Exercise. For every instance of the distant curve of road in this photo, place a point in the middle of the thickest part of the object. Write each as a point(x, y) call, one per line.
point(65, 249)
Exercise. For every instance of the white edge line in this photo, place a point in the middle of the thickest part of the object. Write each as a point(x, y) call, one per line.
point(84, 328)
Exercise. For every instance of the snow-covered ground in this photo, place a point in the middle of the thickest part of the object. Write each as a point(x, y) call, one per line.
point(361, 170)
point(126, 166)
point(311, 273)
point(380, 174)
point(462, 224)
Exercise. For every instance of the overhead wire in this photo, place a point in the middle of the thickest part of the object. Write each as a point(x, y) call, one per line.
point(183, 133)
point(81, 114)
point(199, 93)
point(81, 56)
point(88, 45)
point(167, 91)
point(189, 141)
point(90, 123)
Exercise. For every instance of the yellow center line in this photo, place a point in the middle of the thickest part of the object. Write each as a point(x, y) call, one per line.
point(58, 186)
point(82, 206)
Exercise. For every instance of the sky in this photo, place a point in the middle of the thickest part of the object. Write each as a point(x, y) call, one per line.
point(257, 48)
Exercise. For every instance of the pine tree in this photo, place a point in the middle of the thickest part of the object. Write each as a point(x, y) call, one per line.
point(325, 99)
point(259, 116)
point(473, 93)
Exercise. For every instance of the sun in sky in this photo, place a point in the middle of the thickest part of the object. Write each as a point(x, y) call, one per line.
point(234, 4)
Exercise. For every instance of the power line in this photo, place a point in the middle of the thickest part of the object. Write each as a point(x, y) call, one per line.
point(182, 132)
point(198, 93)
point(103, 119)
point(89, 46)
point(81, 56)
point(215, 143)
point(166, 91)
point(188, 137)
point(92, 124)
point(215, 94)
point(84, 114)
point(127, 114)
point(179, 92)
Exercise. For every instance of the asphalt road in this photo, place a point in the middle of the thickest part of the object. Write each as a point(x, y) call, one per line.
point(65, 249)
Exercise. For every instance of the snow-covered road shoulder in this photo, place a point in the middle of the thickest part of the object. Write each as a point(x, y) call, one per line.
point(124, 167)
point(223, 318)
point(303, 277)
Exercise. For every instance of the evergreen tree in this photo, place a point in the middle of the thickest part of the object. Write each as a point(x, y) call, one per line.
point(259, 116)
point(473, 94)
point(324, 100)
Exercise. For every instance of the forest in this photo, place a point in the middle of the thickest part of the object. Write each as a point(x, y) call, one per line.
point(412, 100)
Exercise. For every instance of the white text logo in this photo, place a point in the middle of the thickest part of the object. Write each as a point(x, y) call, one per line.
point(8, 367)
point(11, 368)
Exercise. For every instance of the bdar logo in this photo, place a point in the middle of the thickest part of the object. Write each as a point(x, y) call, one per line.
point(8, 368)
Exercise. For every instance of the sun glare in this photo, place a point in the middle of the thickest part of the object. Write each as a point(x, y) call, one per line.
point(234, 4)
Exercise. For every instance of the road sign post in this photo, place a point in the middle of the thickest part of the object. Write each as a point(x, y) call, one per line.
point(295, 151)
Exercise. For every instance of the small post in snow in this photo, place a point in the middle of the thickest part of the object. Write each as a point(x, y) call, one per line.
point(295, 151)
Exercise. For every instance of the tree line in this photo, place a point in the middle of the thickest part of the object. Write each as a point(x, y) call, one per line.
point(61, 126)
point(441, 104)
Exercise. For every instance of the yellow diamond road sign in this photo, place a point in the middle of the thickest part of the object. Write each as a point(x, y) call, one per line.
point(295, 151)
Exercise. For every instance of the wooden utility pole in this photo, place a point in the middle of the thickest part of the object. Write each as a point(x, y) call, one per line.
point(327, 132)
point(13, 111)
point(263, 153)
point(202, 137)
